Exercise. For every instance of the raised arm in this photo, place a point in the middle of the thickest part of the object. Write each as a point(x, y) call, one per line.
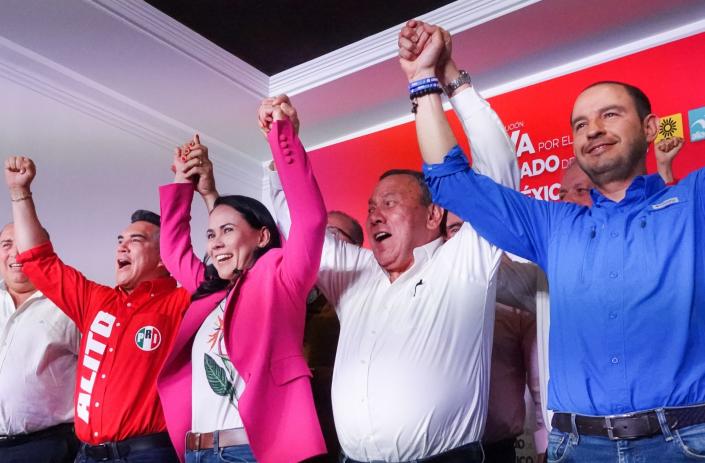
point(666, 150)
point(64, 285)
point(193, 171)
point(503, 216)
point(492, 151)
point(302, 251)
point(19, 173)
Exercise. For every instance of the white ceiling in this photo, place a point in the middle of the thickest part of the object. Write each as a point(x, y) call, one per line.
point(99, 91)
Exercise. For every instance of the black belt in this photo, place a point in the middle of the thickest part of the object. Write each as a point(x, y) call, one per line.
point(632, 425)
point(120, 449)
point(18, 439)
point(465, 454)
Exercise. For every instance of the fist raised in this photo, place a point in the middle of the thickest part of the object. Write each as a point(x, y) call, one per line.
point(19, 172)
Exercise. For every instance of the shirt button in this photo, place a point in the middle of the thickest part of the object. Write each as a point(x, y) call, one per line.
point(289, 160)
point(282, 137)
point(117, 324)
point(95, 434)
point(613, 315)
point(615, 360)
point(613, 274)
point(129, 304)
point(102, 376)
point(110, 349)
point(284, 144)
point(97, 404)
point(151, 295)
point(614, 234)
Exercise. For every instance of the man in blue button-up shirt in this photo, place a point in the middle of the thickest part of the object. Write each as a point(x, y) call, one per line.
point(626, 277)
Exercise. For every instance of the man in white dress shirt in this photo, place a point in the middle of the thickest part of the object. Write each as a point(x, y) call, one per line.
point(38, 353)
point(411, 373)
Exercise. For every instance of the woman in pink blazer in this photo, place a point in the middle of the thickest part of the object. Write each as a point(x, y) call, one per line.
point(236, 386)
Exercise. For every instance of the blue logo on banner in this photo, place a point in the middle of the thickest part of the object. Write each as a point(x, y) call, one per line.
point(696, 121)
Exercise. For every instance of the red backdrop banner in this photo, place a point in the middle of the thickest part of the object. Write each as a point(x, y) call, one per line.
point(537, 120)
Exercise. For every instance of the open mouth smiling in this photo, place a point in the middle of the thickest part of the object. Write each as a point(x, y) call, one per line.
point(222, 257)
point(381, 236)
point(598, 148)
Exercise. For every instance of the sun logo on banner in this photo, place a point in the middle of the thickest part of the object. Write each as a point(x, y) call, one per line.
point(667, 128)
point(670, 126)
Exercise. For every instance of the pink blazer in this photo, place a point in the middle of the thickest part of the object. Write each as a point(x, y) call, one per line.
point(264, 317)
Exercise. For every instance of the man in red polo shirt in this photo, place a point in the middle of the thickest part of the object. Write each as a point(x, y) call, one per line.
point(127, 331)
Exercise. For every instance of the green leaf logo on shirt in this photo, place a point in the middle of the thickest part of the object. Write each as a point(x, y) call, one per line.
point(217, 377)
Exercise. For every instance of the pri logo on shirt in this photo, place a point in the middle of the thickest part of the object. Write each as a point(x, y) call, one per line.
point(696, 120)
point(148, 338)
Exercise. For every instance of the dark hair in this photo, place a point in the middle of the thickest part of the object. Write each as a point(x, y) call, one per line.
point(257, 216)
point(356, 235)
point(142, 215)
point(641, 101)
point(416, 175)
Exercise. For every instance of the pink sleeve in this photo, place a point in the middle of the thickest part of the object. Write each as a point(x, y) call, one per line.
point(175, 236)
point(302, 251)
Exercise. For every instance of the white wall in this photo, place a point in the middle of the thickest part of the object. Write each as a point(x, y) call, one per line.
point(91, 176)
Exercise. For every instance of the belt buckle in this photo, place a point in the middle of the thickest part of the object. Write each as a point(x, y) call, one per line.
point(108, 451)
point(610, 429)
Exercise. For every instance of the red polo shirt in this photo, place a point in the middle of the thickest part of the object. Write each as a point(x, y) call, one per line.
point(125, 341)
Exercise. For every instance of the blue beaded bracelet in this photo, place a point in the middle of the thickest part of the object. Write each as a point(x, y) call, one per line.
point(420, 82)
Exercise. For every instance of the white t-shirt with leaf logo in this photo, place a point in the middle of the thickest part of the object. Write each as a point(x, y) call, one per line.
point(216, 385)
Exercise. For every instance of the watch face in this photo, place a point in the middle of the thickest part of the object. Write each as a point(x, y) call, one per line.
point(463, 78)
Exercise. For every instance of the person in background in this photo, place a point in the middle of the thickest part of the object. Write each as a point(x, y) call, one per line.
point(38, 352)
point(514, 368)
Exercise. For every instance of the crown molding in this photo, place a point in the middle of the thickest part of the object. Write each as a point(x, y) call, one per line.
point(621, 51)
point(611, 54)
point(148, 20)
point(35, 72)
point(455, 17)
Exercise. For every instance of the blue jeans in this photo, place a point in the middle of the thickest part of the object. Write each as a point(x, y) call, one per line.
point(153, 455)
point(234, 454)
point(682, 445)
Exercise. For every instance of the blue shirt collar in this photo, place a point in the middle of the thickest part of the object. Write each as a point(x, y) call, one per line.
point(641, 188)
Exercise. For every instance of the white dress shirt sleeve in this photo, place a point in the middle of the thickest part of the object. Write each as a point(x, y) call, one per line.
point(273, 198)
point(340, 261)
point(492, 151)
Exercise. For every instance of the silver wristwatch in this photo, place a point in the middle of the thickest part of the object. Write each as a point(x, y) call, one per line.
point(463, 78)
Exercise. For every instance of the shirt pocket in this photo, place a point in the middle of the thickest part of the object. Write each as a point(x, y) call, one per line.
point(662, 228)
point(287, 369)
